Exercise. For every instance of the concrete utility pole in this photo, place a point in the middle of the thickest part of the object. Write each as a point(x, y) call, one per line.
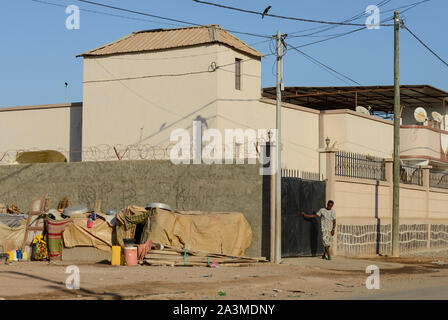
point(397, 117)
point(278, 180)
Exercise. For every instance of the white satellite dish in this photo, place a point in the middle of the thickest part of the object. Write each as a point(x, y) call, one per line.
point(437, 117)
point(420, 115)
point(363, 110)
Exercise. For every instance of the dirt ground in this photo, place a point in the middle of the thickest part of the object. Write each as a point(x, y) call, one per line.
point(418, 276)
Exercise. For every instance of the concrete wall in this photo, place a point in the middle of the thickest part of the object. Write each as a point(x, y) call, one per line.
point(121, 183)
point(364, 215)
point(55, 127)
point(355, 132)
point(420, 142)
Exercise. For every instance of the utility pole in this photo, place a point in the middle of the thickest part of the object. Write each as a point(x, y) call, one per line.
point(397, 116)
point(278, 158)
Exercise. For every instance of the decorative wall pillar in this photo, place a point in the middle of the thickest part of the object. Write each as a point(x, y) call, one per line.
point(426, 184)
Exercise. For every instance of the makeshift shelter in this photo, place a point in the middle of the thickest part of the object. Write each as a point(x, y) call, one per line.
point(78, 234)
point(215, 232)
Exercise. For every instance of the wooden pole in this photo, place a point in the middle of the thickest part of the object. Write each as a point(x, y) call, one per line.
point(278, 180)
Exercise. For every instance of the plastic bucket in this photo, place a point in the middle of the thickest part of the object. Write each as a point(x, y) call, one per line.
point(116, 255)
point(130, 255)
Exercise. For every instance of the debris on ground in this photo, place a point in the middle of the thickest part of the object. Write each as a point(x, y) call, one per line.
point(172, 256)
point(222, 294)
point(296, 291)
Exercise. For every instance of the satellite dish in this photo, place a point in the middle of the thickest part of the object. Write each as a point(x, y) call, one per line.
point(437, 117)
point(420, 115)
point(363, 110)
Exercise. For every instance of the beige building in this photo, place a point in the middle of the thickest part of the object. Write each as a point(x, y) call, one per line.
point(44, 127)
point(139, 88)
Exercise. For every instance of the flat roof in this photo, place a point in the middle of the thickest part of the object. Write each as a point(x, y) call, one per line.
point(379, 98)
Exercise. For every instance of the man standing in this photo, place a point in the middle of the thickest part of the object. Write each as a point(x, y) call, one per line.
point(328, 225)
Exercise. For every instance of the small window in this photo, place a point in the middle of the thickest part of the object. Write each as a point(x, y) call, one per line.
point(238, 74)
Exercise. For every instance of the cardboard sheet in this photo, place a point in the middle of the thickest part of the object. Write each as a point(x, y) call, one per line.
point(216, 232)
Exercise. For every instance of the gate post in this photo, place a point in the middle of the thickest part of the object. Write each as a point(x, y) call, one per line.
point(328, 166)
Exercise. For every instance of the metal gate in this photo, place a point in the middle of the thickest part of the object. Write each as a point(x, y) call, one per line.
point(301, 236)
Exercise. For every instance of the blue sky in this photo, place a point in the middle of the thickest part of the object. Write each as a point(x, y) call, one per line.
point(39, 54)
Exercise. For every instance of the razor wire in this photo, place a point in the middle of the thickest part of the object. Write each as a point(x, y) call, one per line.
point(249, 149)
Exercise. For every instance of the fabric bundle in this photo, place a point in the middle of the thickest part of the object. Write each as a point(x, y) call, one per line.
point(40, 251)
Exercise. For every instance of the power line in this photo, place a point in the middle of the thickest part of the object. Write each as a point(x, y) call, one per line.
point(326, 67)
point(168, 19)
point(411, 6)
point(326, 28)
point(426, 46)
point(282, 17)
point(108, 14)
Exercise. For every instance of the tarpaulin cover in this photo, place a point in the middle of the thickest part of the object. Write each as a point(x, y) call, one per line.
point(10, 236)
point(216, 232)
point(77, 234)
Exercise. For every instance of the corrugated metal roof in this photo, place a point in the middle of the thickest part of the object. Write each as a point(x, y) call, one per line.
point(161, 39)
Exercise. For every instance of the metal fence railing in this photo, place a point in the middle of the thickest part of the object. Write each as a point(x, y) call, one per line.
point(355, 165)
point(305, 175)
point(438, 180)
point(411, 175)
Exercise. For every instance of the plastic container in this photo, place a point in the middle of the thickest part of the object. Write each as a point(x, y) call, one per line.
point(14, 255)
point(89, 223)
point(10, 256)
point(24, 256)
point(130, 255)
point(116, 256)
point(19, 254)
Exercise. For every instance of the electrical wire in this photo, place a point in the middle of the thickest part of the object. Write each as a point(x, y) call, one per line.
point(282, 17)
point(326, 28)
point(166, 18)
point(426, 46)
point(326, 67)
point(109, 14)
point(411, 6)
